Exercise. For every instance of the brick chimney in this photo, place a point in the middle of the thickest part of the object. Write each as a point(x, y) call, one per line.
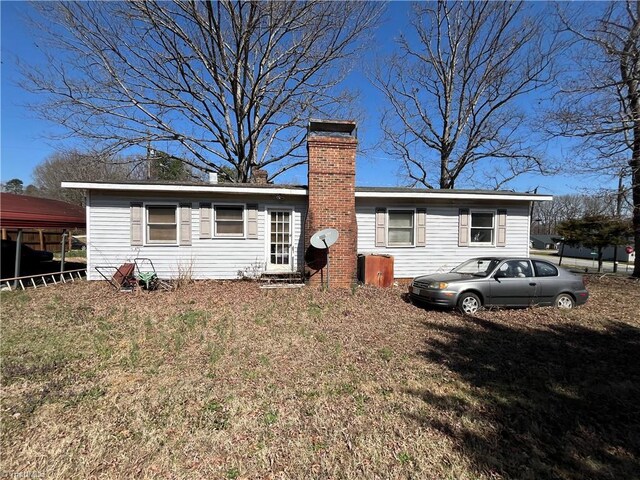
point(331, 147)
point(259, 176)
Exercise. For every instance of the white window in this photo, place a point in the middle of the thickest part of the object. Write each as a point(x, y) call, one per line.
point(162, 224)
point(229, 221)
point(482, 228)
point(400, 230)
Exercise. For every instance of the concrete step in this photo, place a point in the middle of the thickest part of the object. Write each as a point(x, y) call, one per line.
point(284, 277)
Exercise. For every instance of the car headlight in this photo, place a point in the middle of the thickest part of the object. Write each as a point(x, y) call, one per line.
point(438, 285)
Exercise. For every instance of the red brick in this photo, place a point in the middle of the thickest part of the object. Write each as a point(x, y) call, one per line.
point(331, 204)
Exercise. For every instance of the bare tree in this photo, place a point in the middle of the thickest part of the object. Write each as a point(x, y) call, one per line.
point(453, 91)
point(600, 101)
point(546, 216)
point(218, 84)
point(77, 166)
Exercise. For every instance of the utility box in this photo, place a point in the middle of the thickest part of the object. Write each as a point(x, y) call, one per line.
point(375, 269)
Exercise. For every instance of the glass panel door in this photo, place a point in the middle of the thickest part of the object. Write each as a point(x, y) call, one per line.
point(280, 240)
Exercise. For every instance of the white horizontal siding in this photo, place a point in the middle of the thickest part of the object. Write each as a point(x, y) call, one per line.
point(442, 252)
point(218, 258)
point(109, 230)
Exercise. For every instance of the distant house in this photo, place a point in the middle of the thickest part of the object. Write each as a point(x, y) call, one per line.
point(218, 230)
point(544, 242)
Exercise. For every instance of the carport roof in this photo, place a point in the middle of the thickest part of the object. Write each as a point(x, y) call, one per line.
point(22, 211)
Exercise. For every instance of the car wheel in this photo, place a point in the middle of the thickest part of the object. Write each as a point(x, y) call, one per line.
point(564, 301)
point(469, 303)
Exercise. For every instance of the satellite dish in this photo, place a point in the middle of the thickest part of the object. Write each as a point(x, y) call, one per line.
point(324, 238)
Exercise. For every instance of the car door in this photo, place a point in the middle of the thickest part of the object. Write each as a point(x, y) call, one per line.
point(548, 283)
point(513, 284)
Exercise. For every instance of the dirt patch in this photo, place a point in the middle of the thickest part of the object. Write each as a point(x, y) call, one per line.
point(224, 380)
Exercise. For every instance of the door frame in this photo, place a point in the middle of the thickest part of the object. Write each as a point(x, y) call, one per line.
point(267, 244)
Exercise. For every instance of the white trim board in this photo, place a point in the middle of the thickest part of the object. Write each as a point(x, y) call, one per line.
point(456, 196)
point(303, 192)
point(137, 187)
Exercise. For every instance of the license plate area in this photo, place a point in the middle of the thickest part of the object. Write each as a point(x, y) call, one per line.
point(416, 291)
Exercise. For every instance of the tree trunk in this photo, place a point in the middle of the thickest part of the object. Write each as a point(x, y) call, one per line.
point(629, 68)
point(599, 259)
point(635, 188)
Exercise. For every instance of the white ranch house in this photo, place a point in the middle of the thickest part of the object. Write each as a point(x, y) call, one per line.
point(219, 231)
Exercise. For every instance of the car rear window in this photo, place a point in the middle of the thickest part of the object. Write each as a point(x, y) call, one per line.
point(544, 269)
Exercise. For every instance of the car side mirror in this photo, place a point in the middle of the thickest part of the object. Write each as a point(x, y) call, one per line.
point(499, 275)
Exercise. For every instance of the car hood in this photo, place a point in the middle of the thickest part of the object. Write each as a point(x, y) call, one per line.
point(446, 277)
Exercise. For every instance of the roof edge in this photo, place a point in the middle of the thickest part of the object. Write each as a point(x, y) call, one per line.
point(452, 194)
point(271, 189)
point(153, 187)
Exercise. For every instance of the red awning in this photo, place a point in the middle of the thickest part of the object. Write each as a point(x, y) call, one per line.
point(22, 211)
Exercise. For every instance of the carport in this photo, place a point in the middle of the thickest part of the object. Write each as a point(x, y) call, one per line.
point(24, 212)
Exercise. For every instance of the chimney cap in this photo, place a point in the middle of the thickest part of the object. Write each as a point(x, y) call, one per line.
point(338, 128)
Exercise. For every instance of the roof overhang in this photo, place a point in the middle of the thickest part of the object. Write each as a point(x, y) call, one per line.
point(302, 191)
point(213, 188)
point(453, 195)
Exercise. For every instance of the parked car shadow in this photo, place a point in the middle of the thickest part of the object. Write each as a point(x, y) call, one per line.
point(558, 401)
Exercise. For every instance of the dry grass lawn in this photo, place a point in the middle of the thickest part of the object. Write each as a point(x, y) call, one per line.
point(224, 380)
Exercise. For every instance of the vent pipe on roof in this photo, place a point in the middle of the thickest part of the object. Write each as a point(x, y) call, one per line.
point(213, 177)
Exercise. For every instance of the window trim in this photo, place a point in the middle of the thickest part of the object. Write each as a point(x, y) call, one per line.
point(493, 228)
point(388, 225)
point(156, 243)
point(214, 220)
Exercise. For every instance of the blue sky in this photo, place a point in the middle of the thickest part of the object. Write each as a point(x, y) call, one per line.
point(26, 140)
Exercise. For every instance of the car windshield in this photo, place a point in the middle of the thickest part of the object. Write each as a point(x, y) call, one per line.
point(478, 267)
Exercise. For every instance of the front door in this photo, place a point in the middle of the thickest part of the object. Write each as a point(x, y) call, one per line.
point(280, 241)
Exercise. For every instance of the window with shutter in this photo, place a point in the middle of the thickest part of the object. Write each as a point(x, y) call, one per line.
point(162, 224)
point(229, 221)
point(482, 231)
point(400, 229)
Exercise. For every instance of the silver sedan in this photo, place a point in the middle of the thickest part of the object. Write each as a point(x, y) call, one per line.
point(500, 282)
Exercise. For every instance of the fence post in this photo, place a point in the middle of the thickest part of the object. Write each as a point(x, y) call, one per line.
point(64, 244)
point(18, 257)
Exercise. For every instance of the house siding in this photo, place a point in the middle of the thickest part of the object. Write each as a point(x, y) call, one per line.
point(108, 215)
point(441, 252)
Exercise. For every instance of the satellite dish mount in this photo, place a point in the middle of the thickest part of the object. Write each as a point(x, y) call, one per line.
point(322, 240)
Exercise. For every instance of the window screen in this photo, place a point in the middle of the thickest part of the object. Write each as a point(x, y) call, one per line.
point(401, 229)
point(482, 227)
point(161, 224)
point(229, 221)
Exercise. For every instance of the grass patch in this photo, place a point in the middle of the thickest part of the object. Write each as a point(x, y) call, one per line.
point(385, 354)
point(323, 384)
point(270, 417)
